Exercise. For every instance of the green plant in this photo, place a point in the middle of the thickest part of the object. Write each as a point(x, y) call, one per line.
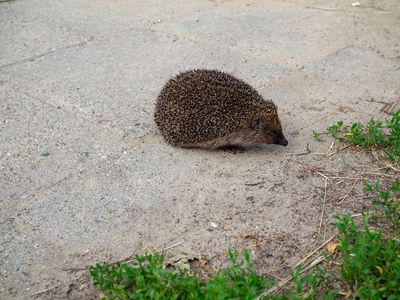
point(375, 134)
point(371, 263)
point(146, 278)
point(388, 201)
point(315, 285)
point(335, 129)
point(316, 135)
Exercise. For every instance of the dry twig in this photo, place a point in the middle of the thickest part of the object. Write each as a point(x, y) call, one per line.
point(125, 260)
point(53, 287)
point(277, 287)
point(318, 260)
point(255, 183)
point(46, 290)
point(330, 148)
point(323, 208)
point(348, 193)
point(315, 170)
point(308, 151)
point(338, 150)
point(315, 251)
point(317, 120)
point(387, 166)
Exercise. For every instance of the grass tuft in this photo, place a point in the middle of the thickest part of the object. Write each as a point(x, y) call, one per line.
point(388, 201)
point(316, 135)
point(371, 263)
point(147, 278)
point(376, 134)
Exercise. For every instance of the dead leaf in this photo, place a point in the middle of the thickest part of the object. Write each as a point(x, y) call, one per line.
point(340, 108)
point(203, 262)
point(331, 247)
point(250, 235)
point(252, 246)
point(182, 260)
point(347, 294)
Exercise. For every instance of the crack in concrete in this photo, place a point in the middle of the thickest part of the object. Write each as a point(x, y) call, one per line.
point(24, 202)
point(368, 8)
point(30, 231)
point(33, 197)
point(82, 43)
point(36, 57)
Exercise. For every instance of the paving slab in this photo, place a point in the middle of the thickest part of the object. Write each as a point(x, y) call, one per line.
point(33, 28)
point(116, 81)
point(40, 146)
point(287, 34)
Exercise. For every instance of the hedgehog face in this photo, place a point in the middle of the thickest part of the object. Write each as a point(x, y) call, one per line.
point(268, 130)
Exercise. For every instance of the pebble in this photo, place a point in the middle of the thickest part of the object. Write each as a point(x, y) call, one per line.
point(45, 153)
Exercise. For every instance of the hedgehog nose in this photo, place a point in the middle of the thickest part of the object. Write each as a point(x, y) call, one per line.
point(283, 142)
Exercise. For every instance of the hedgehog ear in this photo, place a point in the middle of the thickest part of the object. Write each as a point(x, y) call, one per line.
point(255, 124)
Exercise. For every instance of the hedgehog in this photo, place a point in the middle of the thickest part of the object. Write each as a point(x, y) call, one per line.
point(211, 109)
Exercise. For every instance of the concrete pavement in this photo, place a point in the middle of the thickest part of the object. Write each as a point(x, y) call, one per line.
point(84, 175)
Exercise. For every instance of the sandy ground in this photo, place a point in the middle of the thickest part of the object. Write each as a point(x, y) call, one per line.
point(85, 176)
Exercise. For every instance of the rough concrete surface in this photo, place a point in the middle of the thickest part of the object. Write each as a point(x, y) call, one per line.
point(85, 176)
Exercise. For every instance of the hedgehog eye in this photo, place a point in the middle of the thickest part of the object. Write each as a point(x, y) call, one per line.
point(255, 124)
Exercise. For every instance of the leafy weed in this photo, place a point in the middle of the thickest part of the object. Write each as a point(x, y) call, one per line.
point(376, 134)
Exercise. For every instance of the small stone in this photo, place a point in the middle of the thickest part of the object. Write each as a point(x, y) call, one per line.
point(356, 4)
point(45, 153)
point(214, 225)
point(250, 198)
point(100, 220)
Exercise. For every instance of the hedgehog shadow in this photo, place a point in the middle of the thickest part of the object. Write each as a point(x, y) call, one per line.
point(259, 149)
point(263, 149)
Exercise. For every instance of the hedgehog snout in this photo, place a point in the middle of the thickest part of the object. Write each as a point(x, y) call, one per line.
point(283, 141)
point(279, 139)
point(276, 138)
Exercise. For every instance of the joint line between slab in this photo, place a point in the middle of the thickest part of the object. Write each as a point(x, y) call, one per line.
point(34, 196)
